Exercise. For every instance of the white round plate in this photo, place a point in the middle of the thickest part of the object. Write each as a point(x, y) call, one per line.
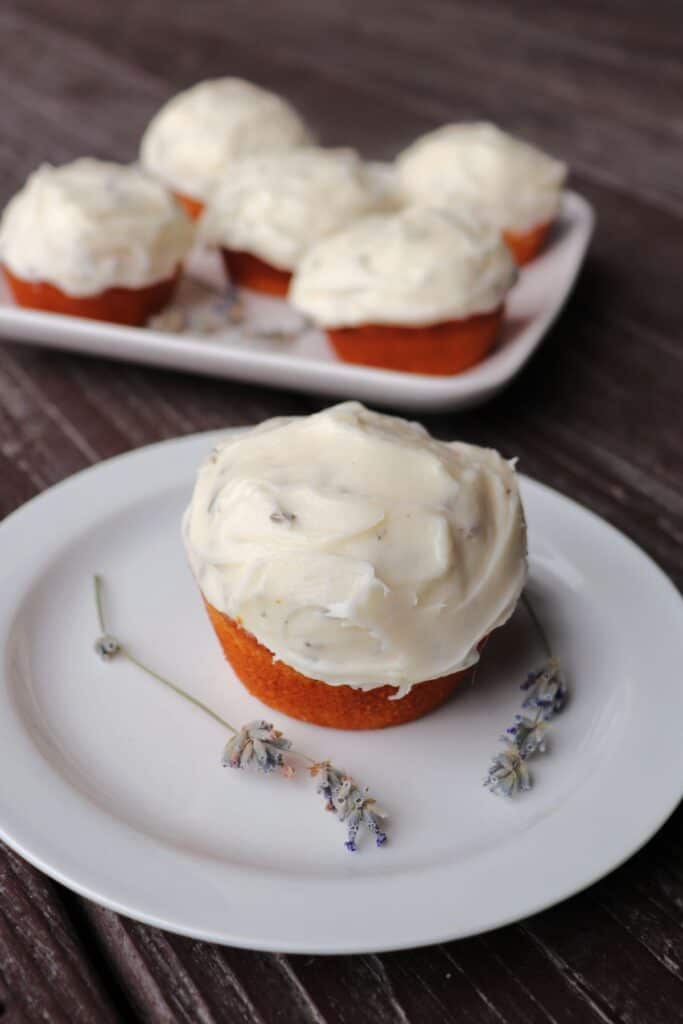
point(112, 785)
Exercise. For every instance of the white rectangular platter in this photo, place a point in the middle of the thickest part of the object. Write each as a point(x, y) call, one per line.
point(270, 344)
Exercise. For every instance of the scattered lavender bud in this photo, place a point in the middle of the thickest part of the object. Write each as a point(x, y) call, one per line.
point(528, 733)
point(546, 689)
point(257, 744)
point(508, 773)
point(107, 647)
point(280, 516)
point(350, 803)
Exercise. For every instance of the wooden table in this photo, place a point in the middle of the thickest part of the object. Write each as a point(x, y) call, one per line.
point(595, 415)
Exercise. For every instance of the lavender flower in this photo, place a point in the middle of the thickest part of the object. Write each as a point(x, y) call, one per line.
point(528, 733)
point(107, 647)
point(371, 820)
point(210, 314)
point(546, 696)
point(508, 774)
point(329, 780)
point(350, 803)
point(282, 516)
point(547, 689)
point(257, 744)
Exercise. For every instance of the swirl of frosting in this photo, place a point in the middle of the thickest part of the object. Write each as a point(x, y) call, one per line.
point(417, 266)
point(192, 141)
point(356, 548)
point(276, 206)
point(512, 184)
point(92, 225)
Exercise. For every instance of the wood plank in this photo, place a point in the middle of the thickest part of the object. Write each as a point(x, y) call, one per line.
point(606, 964)
point(45, 973)
point(169, 978)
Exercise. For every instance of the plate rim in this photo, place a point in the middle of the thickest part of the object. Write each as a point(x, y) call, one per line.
point(331, 948)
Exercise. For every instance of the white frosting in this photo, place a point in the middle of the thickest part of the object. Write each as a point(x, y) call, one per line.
point(193, 140)
point(276, 206)
point(385, 182)
point(356, 548)
point(92, 225)
point(513, 184)
point(415, 267)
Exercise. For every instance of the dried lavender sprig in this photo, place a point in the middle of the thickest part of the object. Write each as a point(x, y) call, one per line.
point(108, 647)
point(350, 803)
point(258, 744)
point(546, 697)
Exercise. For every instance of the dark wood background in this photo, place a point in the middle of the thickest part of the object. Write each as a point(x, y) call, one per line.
point(597, 414)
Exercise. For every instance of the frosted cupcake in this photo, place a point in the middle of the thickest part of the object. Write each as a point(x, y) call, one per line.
point(94, 239)
point(269, 210)
point(419, 290)
point(512, 184)
point(351, 565)
point(192, 142)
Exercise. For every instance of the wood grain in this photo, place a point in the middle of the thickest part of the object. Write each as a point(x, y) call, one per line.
point(45, 972)
point(596, 414)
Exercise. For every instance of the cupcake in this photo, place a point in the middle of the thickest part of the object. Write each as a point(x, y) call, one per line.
point(192, 142)
point(269, 210)
point(351, 565)
point(515, 186)
point(93, 239)
point(418, 290)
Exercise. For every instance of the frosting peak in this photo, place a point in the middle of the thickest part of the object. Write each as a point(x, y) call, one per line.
point(506, 180)
point(191, 142)
point(357, 548)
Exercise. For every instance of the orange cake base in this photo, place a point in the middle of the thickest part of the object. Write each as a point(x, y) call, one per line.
point(340, 707)
point(441, 349)
point(527, 244)
point(193, 207)
point(247, 271)
point(130, 306)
